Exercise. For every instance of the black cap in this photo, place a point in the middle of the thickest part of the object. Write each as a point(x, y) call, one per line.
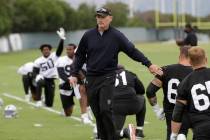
point(103, 12)
point(45, 45)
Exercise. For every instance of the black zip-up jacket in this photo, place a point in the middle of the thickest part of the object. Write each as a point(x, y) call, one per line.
point(100, 52)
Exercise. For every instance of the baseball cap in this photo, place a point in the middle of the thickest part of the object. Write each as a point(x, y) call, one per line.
point(103, 12)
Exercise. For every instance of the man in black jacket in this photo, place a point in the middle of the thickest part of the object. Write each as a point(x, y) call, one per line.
point(99, 48)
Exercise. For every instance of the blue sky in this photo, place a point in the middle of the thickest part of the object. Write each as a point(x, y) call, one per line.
point(144, 5)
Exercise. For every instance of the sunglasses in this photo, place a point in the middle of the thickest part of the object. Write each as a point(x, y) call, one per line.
point(100, 16)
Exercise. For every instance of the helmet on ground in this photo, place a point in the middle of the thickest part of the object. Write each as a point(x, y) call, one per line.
point(10, 111)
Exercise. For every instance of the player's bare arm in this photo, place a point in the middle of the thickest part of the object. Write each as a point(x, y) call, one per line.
point(158, 83)
point(177, 118)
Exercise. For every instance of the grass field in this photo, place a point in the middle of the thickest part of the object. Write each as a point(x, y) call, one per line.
point(55, 126)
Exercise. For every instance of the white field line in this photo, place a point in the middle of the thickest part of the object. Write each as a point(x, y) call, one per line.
point(45, 108)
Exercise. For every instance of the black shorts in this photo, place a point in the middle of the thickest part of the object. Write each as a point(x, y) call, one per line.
point(128, 105)
point(201, 131)
point(67, 101)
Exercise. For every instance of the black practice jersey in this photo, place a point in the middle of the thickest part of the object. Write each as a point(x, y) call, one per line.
point(195, 88)
point(172, 76)
point(127, 83)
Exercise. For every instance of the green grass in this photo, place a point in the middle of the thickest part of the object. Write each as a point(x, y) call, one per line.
point(56, 127)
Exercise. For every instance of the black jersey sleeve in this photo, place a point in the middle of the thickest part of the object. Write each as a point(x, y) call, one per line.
point(60, 48)
point(182, 93)
point(62, 74)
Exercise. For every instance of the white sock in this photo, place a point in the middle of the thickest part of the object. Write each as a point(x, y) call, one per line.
point(121, 133)
point(139, 127)
point(84, 115)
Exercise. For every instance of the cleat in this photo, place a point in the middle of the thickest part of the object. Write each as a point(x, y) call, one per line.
point(95, 133)
point(39, 104)
point(27, 98)
point(85, 119)
point(90, 116)
point(139, 134)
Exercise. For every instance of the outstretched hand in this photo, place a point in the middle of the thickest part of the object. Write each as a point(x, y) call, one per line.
point(155, 70)
point(61, 33)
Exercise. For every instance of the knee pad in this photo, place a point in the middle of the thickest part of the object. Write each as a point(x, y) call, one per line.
point(181, 137)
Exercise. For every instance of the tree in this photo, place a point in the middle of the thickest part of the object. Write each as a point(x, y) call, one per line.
point(5, 17)
point(120, 13)
point(70, 16)
point(37, 15)
point(85, 16)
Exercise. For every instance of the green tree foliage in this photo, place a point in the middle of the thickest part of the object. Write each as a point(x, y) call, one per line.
point(5, 17)
point(37, 15)
point(120, 13)
point(70, 17)
point(49, 15)
point(85, 16)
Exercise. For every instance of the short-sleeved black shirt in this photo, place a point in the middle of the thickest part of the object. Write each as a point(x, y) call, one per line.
point(172, 76)
point(195, 89)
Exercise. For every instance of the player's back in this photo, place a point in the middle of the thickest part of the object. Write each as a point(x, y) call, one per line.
point(125, 84)
point(197, 87)
point(173, 75)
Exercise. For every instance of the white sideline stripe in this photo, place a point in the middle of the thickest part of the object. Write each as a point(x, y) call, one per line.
point(45, 108)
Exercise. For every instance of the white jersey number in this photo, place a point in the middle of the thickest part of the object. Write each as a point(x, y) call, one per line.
point(123, 77)
point(201, 98)
point(47, 65)
point(67, 69)
point(172, 93)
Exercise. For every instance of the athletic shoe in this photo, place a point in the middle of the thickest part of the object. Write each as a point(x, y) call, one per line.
point(39, 104)
point(95, 134)
point(139, 134)
point(27, 98)
point(85, 119)
point(89, 113)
